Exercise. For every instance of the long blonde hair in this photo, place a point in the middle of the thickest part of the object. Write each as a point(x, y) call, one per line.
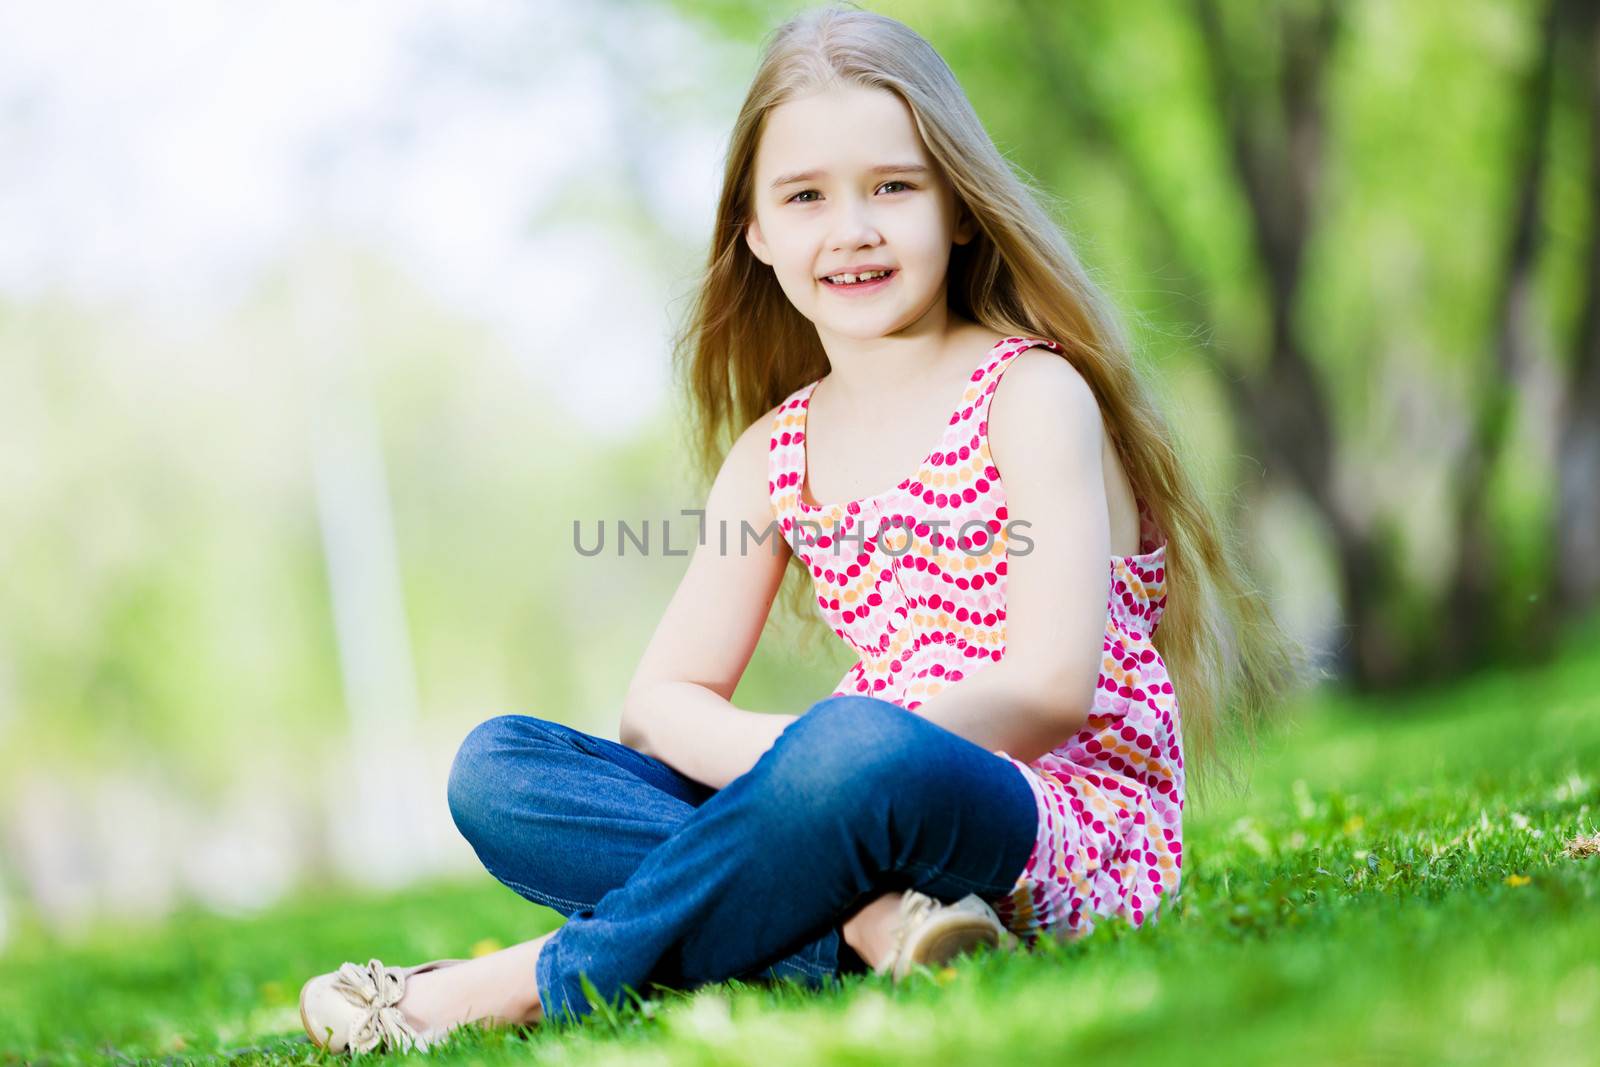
point(744, 348)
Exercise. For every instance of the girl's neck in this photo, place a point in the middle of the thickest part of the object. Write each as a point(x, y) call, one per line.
point(862, 373)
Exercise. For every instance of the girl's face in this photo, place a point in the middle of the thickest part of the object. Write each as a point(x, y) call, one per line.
point(843, 184)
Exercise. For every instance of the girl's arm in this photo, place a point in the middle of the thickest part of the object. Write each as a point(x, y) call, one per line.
point(678, 704)
point(1046, 437)
point(700, 734)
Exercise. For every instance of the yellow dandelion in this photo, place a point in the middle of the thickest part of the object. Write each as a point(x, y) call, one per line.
point(1515, 880)
point(486, 946)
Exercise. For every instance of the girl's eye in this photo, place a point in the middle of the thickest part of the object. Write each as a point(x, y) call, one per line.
point(796, 197)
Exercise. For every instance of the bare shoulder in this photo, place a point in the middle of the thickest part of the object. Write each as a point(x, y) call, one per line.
point(1041, 366)
point(1046, 427)
point(1041, 394)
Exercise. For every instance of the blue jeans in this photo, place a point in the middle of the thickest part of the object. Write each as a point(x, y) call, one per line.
point(666, 881)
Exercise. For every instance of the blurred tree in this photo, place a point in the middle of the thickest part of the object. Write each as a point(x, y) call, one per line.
point(1261, 157)
point(1575, 581)
point(1267, 71)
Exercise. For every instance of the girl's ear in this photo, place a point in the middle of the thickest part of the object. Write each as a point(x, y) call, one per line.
point(753, 238)
point(966, 225)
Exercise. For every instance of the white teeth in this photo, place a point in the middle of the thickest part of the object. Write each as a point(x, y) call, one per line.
point(851, 279)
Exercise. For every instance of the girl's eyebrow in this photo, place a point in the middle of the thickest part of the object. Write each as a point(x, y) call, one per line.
point(881, 168)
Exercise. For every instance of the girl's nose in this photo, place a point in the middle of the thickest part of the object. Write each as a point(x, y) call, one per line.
point(854, 227)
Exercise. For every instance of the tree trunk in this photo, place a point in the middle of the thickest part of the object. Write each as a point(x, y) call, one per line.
point(1575, 568)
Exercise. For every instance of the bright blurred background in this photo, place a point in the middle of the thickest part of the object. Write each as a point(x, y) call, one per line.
point(321, 325)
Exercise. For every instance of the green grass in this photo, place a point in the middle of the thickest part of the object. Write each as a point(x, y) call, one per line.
point(1393, 890)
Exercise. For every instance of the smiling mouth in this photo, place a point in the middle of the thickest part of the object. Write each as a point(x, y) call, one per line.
point(876, 278)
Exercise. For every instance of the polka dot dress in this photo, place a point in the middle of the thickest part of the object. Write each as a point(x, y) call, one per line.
point(913, 579)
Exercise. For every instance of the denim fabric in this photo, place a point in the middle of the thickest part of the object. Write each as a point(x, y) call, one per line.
point(666, 881)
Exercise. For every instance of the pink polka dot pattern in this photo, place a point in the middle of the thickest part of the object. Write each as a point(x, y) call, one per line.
point(925, 611)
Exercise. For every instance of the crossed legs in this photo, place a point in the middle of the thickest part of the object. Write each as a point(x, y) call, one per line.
point(664, 880)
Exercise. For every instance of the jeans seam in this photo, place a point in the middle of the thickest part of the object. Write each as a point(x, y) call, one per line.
point(814, 970)
point(535, 895)
point(804, 968)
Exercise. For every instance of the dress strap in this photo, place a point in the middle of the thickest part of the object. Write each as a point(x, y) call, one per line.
point(786, 458)
point(987, 378)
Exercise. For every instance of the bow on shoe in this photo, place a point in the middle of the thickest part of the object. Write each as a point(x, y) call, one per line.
point(376, 990)
point(914, 907)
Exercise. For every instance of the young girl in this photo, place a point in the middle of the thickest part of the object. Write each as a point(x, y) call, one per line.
point(1006, 758)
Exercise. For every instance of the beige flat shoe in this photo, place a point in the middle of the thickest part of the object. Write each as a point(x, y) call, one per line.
point(931, 934)
point(356, 1008)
